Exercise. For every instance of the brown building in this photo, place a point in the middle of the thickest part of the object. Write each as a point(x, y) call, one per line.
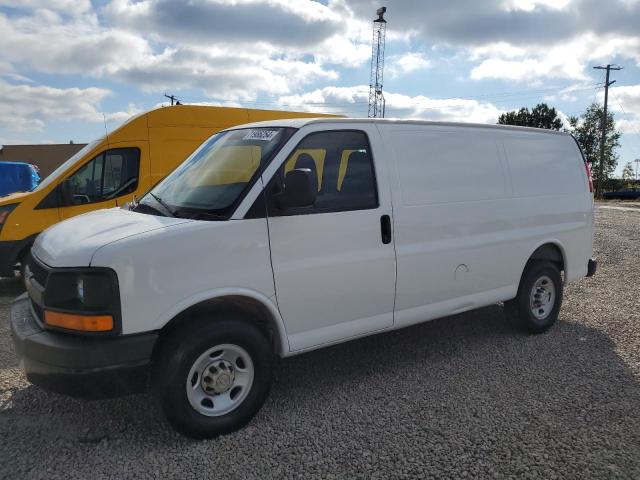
point(46, 157)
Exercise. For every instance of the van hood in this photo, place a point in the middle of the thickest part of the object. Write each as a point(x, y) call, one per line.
point(13, 198)
point(73, 242)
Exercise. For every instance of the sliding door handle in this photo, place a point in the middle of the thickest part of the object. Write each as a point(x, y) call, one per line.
point(385, 228)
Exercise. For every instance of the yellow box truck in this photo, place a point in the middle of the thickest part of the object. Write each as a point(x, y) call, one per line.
point(112, 170)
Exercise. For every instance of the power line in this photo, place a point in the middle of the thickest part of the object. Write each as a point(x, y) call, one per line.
point(517, 97)
point(630, 120)
point(353, 108)
point(625, 113)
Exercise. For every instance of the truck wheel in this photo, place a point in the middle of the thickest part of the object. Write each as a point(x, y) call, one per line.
point(22, 260)
point(212, 377)
point(537, 305)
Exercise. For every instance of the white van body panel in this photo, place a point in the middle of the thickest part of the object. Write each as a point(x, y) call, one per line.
point(469, 204)
point(161, 273)
point(74, 243)
point(334, 277)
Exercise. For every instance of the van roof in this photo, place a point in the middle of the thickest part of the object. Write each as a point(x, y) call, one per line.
point(301, 122)
point(202, 115)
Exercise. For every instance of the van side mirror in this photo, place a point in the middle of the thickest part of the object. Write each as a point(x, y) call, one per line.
point(300, 189)
point(65, 194)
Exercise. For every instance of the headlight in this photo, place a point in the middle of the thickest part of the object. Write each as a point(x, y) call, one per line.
point(5, 210)
point(83, 299)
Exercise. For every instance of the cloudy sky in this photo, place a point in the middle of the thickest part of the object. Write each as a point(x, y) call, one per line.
point(67, 65)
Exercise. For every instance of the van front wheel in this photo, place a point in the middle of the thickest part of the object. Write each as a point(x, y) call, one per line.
point(537, 305)
point(212, 377)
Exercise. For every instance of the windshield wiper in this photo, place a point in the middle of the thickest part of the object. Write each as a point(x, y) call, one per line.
point(148, 209)
point(164, 205)
point(206, 216)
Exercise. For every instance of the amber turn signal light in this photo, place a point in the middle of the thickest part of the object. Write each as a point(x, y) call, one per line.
point(85, 323)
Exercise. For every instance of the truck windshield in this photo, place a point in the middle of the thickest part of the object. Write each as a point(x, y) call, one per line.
point(214, 177)
point(67, 164)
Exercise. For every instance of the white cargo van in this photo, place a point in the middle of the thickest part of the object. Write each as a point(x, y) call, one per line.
point(280, 237)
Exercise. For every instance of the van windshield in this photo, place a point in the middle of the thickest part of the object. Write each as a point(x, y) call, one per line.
point(215, 176)
point(62, 168)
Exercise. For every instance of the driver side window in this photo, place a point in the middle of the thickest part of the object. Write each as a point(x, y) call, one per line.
point(108, 175)
point(341, 161)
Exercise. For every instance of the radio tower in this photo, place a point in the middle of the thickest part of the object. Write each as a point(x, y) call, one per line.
point(376, 98)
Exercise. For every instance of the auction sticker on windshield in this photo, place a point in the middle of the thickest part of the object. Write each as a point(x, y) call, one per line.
point(261, 134)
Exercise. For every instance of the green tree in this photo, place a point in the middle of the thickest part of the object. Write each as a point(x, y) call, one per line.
point(587, 130)
point(627, 172)
point(541, 116)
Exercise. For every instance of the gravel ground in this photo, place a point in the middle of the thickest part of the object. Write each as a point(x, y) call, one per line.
point(459, 397)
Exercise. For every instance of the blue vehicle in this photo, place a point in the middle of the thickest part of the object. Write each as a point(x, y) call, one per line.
point(17, 177)
point(623, 194)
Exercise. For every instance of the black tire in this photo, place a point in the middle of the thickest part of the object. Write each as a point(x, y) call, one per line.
point(519, 310)
point(22, 260)
point(177, 354)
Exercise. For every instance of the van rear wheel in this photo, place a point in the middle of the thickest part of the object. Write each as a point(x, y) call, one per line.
point(212, 377)
point(537, 305)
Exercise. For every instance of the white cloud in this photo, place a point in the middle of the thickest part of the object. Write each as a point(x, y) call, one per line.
point(28, 107)
point(353, 102)
point(530, 5)
point(624, 101)
point(570, 93)
point(524, 40)
point(630, 126)
point(407, 63)
point(221, 74)
point(328, 34)
point(116, 118)
point(235, 51)
point(628, 96)
point(240, 49)
point(228, 49)
point(56, 46)
point(278, 22)
point(350, 101)
point(451, 109)
point(565, 60)
point(69, 6)
point(499, 49)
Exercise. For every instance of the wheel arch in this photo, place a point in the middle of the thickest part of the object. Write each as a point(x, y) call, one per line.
point(255, 306)
point(25, 249)
point(551, 250)
point(19, 252)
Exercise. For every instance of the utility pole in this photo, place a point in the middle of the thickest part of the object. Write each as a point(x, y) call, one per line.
point(637, 160)
point(607, 84)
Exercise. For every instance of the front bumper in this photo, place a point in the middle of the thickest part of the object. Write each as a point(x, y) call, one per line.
point(80, 366)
